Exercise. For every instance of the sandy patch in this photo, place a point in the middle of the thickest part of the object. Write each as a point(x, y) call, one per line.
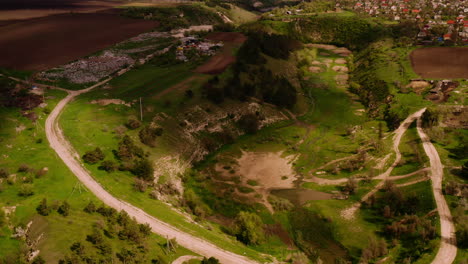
point(267, 168)
point(418, 86)
point(105, 102)
point(340, 61)
point(315, 69)
point(342, 52)
point(342, 69)
point(179, 33)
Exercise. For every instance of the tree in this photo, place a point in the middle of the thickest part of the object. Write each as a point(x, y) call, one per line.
point(387, 212)
point(143, 169)
point(351, 186)
point(2, 218)
point(43, 208)
point(90, 208)
point(248, 228)
point(64, 209)
point(148, 135)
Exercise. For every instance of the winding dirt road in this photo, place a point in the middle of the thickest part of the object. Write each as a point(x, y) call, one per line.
point(349, 212)
point(70, 157)
point(448, 249)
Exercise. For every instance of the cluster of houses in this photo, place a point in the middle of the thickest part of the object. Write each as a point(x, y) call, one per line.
point(450, 15)
point(192, 43)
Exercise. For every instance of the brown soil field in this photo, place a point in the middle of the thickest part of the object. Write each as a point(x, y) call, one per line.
point(43, 43)
point(440, 63)
point(218, 63)
point(230, 37)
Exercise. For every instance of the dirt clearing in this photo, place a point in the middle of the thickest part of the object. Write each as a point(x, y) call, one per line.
point(228, 37)
point(218, 63)
point(440, 63)
point(43, 43)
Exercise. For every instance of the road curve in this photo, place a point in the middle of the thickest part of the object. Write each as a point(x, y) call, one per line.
point(69, 156)
point(183, 259)
point(448, 249)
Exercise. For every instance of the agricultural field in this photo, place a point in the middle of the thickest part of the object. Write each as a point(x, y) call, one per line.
point(39, 44)
point(427, 62)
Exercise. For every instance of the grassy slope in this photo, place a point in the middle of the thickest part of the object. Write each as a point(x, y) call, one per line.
point(88, 126)
point(58, 184)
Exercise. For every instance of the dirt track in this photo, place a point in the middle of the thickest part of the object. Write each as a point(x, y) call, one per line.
point(43, 43)
point(448, 249)
point(218, 63)
point(440, 63)
point(69, 156)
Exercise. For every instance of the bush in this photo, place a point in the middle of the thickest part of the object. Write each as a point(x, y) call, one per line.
point(93, 156)
point(26, 190)
point(133, 123)
point(127, 149)
point(108, 166)
point(43, 208)
point(41, 172)
point(25, 168)
point(64, 209)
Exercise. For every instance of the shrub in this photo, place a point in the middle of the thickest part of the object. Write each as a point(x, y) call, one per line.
point(43, 208)
point(133, 123)
point(90, 208)
point(248, 228)
point(25, 168)
point(108, 166)
point(93, 156)
point(140, 185)
point(41, 172)
point(249, 123)
point(26, 190)
point(280, 204)
point(149, 134)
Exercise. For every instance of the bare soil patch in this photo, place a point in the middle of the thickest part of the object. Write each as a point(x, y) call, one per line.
point(439, 63)
point(43, 43)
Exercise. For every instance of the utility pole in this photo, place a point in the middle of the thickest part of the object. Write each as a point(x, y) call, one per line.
point(141, 111)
